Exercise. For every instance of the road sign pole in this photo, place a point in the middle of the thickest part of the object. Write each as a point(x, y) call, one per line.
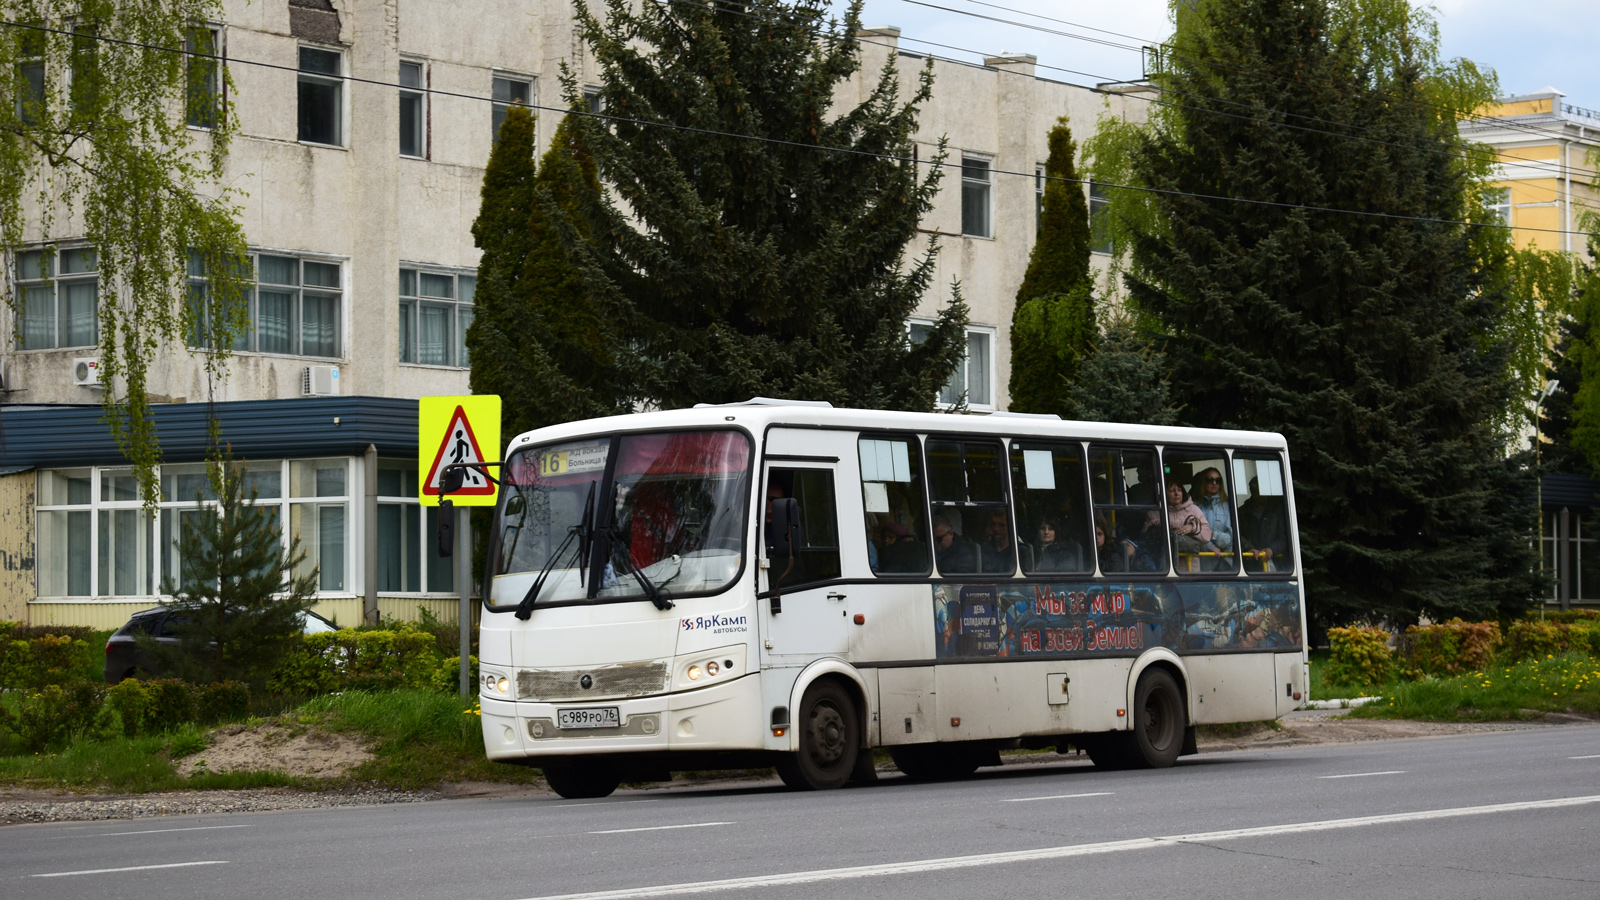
point(464, 582)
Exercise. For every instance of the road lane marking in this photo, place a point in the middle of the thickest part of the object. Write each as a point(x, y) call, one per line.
point(203, 862)
point(661, 827)
point(1365, 774)
point(602, 803)
point(165, 830)
point(1058, 797)
point(1591, 756)
point(1012, 857)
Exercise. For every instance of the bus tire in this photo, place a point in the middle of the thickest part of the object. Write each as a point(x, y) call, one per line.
point(935, 762)
point(1158, 722)
point(830, 740)
point(582, 780)
point(1107, 751)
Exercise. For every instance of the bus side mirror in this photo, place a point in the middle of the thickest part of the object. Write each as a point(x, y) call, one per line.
point(447, 523)
point(785, 519)
point(451, 481)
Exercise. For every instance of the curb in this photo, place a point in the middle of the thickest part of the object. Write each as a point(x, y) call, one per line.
point(1351, 703)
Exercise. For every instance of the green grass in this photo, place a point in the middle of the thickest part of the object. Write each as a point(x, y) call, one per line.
point(125, 765)
point(419, 738)
point(1565, 683)
point(1322, 689)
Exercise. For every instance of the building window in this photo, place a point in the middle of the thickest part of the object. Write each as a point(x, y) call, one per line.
point(296, 307)
point(435, 310)
point(1099, 223)
point(974, 377)
point(321, 96)
point(30, 77)
point(593, 101)
point(976, 183)
point(413, 111)
point(203, 77)
point(83, 77)
point(65, 533)
point(1499, 202)
point(408, 553)
point(1039, 182)
point(59, 308)
point(509, 90)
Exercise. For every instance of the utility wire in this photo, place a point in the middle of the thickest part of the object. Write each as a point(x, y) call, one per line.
point(709, 132)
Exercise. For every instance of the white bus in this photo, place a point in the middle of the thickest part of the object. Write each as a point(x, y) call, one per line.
point(787, 584)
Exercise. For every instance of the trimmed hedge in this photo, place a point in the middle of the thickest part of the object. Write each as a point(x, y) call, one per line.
point(347, 660)
point(56, 712)
point(148, 707)
point(1536, 640)
point(1359, 656)
point(1452, 647)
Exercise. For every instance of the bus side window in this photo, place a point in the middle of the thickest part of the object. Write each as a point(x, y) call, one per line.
point(972, 530)
point(816, 551)
point(1052, 511)
point(1263, 494)
point(1200, 511)
point(1130, 526)
point(891, 493)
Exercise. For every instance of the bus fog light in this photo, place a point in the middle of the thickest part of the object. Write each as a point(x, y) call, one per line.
point(694, 673)
point(502, 685)
point(711, 668)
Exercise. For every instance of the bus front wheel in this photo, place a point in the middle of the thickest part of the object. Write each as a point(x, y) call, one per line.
point(582, 780)
point(830, 740)
point(1158, 722)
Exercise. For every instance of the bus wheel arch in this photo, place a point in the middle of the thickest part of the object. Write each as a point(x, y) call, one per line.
point(1166, 659)
point(849, 679)
point(827, 730)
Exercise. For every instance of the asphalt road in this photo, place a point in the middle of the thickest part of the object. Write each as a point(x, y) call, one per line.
point(1513, 814)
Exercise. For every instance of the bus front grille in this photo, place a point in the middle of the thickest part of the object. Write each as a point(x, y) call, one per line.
point(633, 679)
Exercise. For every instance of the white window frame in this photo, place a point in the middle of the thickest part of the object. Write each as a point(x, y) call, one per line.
point(56, 282)
point(462, 311)
point(1099, 207)
point(498, 108)
point(1501, 206)
point(250, 342)
point(964, 371)
point(987, 184)
point(219, 65)
point(427, 537)
point(160, 554)
point(420, 94)
point(1039, 184)
point(341, 115)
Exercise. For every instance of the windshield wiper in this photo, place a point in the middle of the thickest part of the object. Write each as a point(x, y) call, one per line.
point(659, 597)
point(579, 531)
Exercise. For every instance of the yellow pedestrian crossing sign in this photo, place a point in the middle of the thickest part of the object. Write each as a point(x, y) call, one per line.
point(455, 431)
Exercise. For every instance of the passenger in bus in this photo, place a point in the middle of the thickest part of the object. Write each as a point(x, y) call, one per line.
point(1054, 552)
point(996, 552)
point(1212, 499)
point(1113, 553)
point(953, 553)
point(1146, 540)
point(1263, 531)
point(1191, 532)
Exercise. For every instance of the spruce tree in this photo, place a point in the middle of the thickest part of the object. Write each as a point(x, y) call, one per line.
point(1052, 325)
point(753, 240)
point(537, 340)
point(1125, 379)
point(239, 601)
point(1375, 343)
point(1571, 416)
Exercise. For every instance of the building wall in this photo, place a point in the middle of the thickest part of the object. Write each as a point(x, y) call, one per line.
point(1547, 151)
point(16, 545)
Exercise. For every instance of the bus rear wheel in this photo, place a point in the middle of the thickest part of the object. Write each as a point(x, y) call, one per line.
point(1158, 722)
point(830, 740)
point(582, 780)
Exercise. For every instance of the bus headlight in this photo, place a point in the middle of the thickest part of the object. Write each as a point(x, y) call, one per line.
point(696, 669)
point(694, 673)
point(495, 684)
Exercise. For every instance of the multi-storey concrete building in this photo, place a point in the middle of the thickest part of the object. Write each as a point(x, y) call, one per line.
point(364, 129)
point(1548, 151)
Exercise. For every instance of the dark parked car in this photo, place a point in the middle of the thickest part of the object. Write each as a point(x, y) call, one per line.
point(124, 659)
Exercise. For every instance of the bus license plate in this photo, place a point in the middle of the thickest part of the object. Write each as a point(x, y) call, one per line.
point(590, 717)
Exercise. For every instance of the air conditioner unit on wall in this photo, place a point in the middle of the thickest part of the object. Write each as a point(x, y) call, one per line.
point(320, 381)
point(86, 371)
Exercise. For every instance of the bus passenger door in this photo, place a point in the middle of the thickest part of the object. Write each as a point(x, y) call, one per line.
point(804, 612)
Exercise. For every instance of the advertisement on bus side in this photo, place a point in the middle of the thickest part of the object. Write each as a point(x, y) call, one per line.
point(1065, 620)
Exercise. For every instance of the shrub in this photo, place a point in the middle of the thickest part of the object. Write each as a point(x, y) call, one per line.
point(1536, 640)
point(38, 661)
point(28, 632)
point(1452, 647)
point(1571, 616)
point(48, 716)
point(148, 707)
point(447, 676)
point(1359, 656)
point(358, 660)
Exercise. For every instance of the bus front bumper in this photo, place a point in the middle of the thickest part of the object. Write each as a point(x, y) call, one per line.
point(725, 717)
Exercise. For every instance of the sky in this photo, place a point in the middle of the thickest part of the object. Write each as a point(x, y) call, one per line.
point(1531, 44)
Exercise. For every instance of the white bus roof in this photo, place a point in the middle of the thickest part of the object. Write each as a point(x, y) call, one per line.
point(757, 415)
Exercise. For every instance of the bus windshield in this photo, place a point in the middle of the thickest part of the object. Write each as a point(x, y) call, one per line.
point(669, 506)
